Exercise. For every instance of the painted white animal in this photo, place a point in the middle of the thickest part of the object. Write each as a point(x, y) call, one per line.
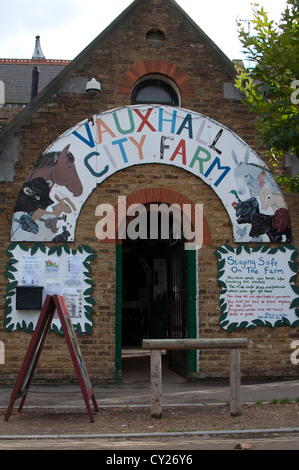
point(270, 198)
point(253, 176)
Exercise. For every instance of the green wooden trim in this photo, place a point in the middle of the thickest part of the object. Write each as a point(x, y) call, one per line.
point(192, 310)
point(118, 311)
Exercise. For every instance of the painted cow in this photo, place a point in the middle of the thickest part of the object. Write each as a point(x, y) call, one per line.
point(35, 194)
point(274, 226)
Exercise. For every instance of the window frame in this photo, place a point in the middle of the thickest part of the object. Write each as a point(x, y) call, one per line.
point(160, 82)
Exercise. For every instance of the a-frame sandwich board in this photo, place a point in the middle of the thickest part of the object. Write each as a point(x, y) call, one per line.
point(22, 385)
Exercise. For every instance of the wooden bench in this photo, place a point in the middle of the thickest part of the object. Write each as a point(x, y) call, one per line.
point(157, 345)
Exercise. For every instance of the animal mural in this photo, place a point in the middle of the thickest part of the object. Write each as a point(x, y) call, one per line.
point(274, 222)
point(41, 206)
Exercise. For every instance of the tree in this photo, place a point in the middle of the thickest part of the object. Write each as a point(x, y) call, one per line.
point(271, 85)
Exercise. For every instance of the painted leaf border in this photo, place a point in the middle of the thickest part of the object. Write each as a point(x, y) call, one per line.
point(225, 249)
point(57, 250)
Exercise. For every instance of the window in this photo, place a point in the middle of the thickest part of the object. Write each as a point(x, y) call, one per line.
point(155, 90)
point(155, 38)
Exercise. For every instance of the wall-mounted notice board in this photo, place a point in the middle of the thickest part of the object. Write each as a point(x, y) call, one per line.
point(258, 286)
point(58, 270)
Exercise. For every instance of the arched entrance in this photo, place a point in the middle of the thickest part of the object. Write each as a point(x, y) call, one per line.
point(154, 299)
point(156, 277)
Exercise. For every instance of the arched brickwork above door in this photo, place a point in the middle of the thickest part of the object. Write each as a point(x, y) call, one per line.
point(162, 67)
point(150, 196)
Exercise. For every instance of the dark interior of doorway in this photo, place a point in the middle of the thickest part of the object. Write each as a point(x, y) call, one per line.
point(154, 297)
point(145, 291)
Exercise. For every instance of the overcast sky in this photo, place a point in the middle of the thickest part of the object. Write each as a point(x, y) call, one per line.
point(66, 27)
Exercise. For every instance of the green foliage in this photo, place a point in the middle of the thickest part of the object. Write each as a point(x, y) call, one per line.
point(269, 84)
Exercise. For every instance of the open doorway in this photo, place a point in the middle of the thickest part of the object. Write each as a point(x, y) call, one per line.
point(154, 296)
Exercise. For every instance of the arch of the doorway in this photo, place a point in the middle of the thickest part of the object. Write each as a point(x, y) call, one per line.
point(149, 196)
point(155, 66)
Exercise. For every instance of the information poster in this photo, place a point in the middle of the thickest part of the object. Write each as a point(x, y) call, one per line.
point(60, 271)
point(51, 267)
point(30, 271)
point(258, 286)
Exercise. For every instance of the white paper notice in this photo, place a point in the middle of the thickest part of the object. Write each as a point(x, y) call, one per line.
point(74, 301)
point(30, 270)
point(74, 265)
point(53, 288)
point(73, 281)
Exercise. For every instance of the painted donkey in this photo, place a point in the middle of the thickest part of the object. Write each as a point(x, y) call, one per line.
point(252, 176)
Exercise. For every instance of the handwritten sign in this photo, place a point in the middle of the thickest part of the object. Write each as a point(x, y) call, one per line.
point(257, 286)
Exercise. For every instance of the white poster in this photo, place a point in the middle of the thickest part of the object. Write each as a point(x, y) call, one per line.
point(257, 286)
point(52, 288)
point(74, 265)
point(30, 271)
point(52, 267)
point(74, 301)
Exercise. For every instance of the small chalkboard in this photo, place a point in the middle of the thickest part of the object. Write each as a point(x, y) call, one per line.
point(21, 388)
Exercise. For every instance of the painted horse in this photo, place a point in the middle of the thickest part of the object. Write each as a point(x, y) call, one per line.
point(58, 168)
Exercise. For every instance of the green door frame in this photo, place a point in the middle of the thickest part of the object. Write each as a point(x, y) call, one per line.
point(192, 280)
point(192, 310)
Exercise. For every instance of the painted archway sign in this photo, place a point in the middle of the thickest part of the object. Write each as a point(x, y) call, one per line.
point(66, 173)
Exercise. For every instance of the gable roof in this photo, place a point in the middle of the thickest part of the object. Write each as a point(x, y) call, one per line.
point(85, 55)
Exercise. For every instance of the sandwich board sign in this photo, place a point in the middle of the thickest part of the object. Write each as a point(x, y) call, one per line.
point(21, 388)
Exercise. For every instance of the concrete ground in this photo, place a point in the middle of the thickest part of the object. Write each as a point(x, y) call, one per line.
point(135, 390)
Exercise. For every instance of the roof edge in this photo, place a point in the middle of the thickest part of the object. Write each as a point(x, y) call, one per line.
point(207, 41)
point(34, 61)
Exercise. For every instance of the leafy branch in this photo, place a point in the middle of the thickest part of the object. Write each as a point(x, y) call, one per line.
point(268, 84)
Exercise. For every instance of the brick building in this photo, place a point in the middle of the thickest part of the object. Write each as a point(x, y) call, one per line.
point(90, 179)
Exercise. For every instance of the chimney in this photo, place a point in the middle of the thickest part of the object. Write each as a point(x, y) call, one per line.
point(34, 82)
point(38, 53)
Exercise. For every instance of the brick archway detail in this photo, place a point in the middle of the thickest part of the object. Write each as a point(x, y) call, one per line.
point(154, 195)
point(162, 67)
